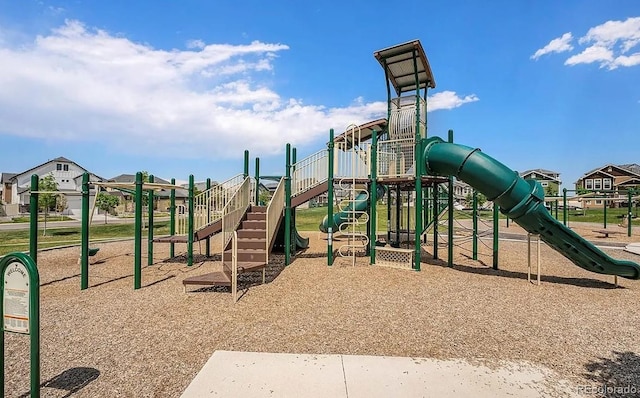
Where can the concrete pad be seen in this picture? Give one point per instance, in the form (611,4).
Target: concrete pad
(250,374)
(633,248)
(230,373)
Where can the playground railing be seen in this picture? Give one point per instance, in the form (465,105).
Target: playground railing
(309,172)
(396,158)
(208,205)
(274,212)
(402,120)
(233,212)
(352,162)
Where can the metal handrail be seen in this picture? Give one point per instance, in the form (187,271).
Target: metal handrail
(274,212)
(233,212)
(309,172)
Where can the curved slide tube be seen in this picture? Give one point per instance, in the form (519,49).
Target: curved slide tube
(360,203)
(522,201)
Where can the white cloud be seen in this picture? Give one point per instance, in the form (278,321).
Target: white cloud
(608,45)
(81,84)
(557,45)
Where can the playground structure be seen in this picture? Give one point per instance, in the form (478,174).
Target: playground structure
(392,157)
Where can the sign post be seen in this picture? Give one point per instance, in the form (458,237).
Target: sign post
(20,309)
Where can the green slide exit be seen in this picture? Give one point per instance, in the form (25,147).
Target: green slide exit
(522,201)
(360,203)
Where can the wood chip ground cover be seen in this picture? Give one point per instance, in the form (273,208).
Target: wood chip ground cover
(112,341)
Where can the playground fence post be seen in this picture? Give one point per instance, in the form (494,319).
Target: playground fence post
(190,222)
(84,234)
(475,224)
(450,221)
(33,220)
(137,266)
(564,206)
(172,218)
(287,208)
(207,242)
(150,231)
(330,149)
(496,232)
(374,197)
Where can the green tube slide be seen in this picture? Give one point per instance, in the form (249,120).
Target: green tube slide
(522,201)
(359,204)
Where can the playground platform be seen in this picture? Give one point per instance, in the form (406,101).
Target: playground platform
(250,374)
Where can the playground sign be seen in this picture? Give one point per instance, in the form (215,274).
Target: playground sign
(15,298)
(20,310)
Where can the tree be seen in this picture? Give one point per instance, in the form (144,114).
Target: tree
(106,203)
(47,201)
(481,199)
(61,203)
(550,191)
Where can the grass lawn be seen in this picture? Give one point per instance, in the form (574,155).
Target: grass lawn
(13,241)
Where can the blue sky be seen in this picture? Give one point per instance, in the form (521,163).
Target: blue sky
(179,88)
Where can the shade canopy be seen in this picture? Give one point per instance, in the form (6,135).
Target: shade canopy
(398,61)
(365,132)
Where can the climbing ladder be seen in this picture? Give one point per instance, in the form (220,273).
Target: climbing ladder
(353,165)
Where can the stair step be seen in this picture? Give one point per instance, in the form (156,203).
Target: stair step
(258,209)
(254,224)
(210,279)
(248,255)
(251,234)
(245,266)
(251,244)
(256,216)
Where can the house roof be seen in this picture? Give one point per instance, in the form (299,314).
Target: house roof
(131,178)
(542,172)
(5,177)
(58,159)
(629,168)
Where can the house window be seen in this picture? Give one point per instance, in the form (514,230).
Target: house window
(58,166)
(606,183)
(544,184)
(588,184)
(597,183)
(66,167)
(598,201)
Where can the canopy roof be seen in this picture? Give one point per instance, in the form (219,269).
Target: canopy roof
(398,62)
(366,130)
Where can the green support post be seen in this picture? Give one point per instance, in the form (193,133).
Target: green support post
(246,164)
(84,235)
(507,221)
(207,242)
(330,150)
(373,198)
(418,199)
(294,159)
(191,219)
(398,213)
(388,214)
(34,319)
(33,219)
(475,224)
(450,211)
(287,208)
(137,266)
(436,200)
(629,213)
(172,219)
(564,206)
(604,210)
(150,230)
(257,178)
(425,210)
(496,232)
(556,207)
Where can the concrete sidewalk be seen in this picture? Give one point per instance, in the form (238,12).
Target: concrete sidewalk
(247,374)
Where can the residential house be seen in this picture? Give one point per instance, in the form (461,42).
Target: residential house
(68,176)
(612,181)
(550,180)
(5,187)
(162,197)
